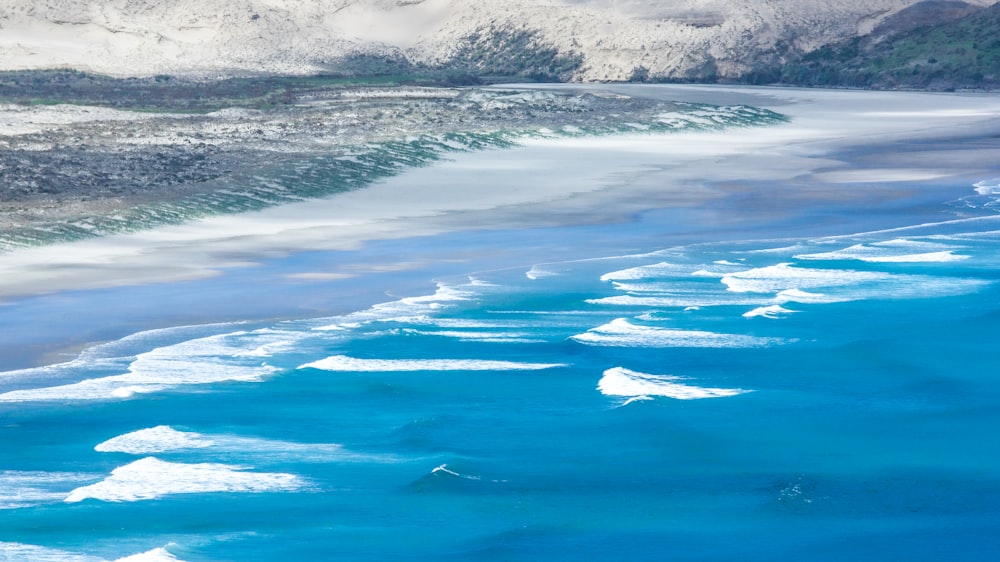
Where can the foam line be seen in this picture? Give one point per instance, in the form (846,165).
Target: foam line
(638,386)
(32,553)
(152,478)
(443,469)
(20,489)
(775,278)
(159,439)
(14,552)
(891,251)
(208,360)
(538,272)
(165,439)
(928,257)
(464,322)
(408,307)
(352,364)
(467,335)
(652,271)
(156,555)
(696,300)
(773,311)
(117,355)
(671,287)
(805,297)
(621,333)
(926,225)
(988,187)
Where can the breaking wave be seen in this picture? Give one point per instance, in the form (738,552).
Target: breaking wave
(151,478)
(635,385)
(622,333)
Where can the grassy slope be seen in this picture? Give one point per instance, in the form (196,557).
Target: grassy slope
(961,54)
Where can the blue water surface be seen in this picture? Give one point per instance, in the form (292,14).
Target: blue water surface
(767,396)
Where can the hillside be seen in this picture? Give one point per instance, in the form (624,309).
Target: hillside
(963,53)
(574,40)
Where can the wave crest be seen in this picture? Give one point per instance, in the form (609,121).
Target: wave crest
(635,385)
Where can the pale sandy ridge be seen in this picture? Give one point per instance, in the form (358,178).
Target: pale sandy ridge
(224,37)
(545,183)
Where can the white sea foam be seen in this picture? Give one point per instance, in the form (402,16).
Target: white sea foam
(165,439)
(60,371)
(988,187)
(707,273)
(408,307)
(18,552)
(269,342)
(157,439)
(19,489)
(980,236)
(621,333)
(805,297)
(780,250)
(694,300)
(775,278)
(923,228)
(207,360)
(678,287)
(662,269)
(928,257)
(152,478)
(477,282)
(773,311)
(469,335)
(652,316)
(891,251)
(156,555)
(642,398)
(352,364)
(444,293)
(136,343)
(635,385)
(443,469)
(539,272)
(462,323)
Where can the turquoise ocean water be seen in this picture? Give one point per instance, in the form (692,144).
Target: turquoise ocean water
(804,397)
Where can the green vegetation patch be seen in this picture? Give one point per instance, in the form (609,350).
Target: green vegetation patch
(500,53)
(955,55)
(176,95)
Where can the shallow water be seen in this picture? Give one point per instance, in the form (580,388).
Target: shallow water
(833,396)
(781,388)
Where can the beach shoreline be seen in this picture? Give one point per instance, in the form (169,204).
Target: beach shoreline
(890,155)
(784,332)
(836,141)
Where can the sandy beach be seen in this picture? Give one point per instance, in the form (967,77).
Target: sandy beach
(840,146)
